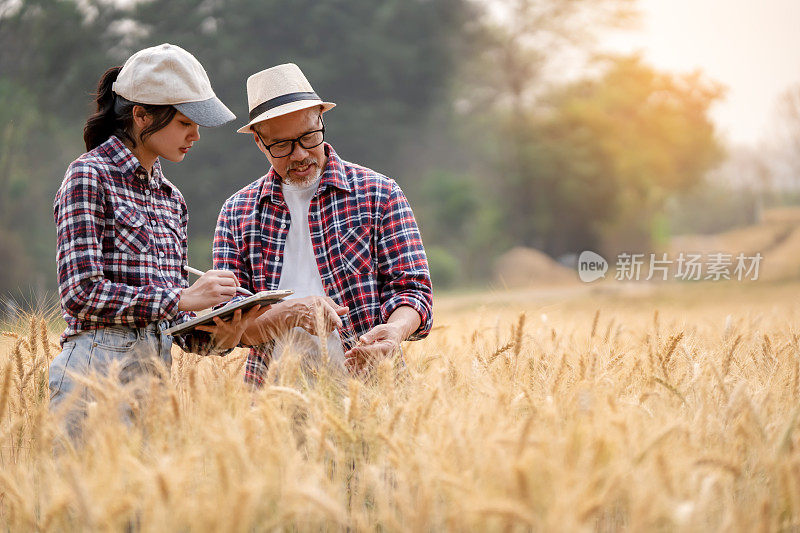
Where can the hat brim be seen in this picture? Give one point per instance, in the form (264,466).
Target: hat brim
(209,113)
(285,109)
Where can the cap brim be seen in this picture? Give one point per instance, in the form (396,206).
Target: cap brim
(285,110)
(209,113)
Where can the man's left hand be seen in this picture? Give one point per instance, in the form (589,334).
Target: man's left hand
(227,334)
(375,345)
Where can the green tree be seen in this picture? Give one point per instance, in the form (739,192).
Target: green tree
(51,55)
(33,145)
(517,51)
(386,64)
(57,50)
(523,45)
(461,229)
(604,155)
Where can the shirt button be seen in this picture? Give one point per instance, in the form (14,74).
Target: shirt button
(153,222)
(277,258)
(283,225)
(147,192)
(160,254)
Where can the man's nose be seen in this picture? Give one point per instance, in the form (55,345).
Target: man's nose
(299,153)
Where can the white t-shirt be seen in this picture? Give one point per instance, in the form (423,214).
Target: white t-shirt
(300,274)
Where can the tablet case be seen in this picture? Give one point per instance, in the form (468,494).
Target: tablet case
(259,298)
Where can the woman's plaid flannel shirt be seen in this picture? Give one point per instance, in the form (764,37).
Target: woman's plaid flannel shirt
(121,244)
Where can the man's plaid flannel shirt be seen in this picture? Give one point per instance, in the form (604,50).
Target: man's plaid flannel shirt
(121,243)
(367,245)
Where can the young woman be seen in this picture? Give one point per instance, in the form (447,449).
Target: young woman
(121,225)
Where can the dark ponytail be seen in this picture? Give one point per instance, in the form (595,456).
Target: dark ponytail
(101,125)
(114,115)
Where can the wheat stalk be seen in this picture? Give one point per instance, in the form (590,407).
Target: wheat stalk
(660,423)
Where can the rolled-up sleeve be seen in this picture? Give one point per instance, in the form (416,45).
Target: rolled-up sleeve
(196,341)
(403,271)
(227,253)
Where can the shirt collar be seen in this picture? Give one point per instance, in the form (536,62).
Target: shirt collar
(129,166)
(334,175)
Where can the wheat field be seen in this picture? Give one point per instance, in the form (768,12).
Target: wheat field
(672,408)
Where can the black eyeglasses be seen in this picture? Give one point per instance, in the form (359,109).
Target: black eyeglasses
(309,140)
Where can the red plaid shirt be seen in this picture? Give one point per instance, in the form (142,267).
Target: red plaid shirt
(368,248)
(121,242)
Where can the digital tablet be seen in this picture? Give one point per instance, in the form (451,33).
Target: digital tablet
(259,298)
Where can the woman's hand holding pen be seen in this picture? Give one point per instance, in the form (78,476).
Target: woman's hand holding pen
(214,287)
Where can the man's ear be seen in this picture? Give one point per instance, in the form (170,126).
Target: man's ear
(261,146)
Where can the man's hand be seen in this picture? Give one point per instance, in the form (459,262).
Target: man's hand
(214,287)
(383,340)
(380,342)
(319,315)
(227,335)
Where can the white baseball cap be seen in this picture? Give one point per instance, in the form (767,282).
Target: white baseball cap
(169,75)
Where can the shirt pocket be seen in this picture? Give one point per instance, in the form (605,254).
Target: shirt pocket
(132,236)
(176,234)
(355,254)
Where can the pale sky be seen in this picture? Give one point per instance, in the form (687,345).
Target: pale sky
(750,46)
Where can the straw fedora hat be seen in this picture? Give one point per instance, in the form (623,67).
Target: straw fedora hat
(277,91)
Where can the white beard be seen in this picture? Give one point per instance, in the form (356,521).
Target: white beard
(304,182)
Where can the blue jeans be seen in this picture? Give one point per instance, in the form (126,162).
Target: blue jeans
(132,352)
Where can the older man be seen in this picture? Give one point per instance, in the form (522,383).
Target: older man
(340,235)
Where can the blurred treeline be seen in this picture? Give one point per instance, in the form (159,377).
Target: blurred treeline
(499,119)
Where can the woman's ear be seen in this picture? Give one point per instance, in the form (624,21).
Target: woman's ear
(141,118)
